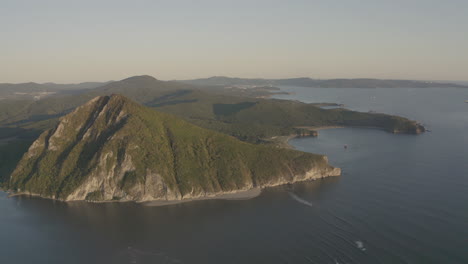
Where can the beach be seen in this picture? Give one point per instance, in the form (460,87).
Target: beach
(237,195)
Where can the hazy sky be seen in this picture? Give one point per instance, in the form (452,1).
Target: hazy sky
(84,40)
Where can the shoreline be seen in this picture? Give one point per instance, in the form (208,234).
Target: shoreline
(231,196)
(237,195)
(283,141)
(280,141)
(317,128)
(234,196)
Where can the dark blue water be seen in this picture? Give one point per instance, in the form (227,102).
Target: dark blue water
(401,199)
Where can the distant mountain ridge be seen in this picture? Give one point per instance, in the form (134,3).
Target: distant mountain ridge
(322,83)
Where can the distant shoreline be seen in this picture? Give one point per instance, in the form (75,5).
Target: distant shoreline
(283,141)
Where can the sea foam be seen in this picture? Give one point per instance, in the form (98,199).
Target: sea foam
(299,199)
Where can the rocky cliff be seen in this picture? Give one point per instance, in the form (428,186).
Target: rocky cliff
(112,148)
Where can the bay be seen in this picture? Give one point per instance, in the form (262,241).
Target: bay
(401,199)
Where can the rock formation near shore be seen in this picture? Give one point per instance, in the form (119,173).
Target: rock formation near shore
(112,148)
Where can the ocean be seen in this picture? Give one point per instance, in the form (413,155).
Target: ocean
(401,199)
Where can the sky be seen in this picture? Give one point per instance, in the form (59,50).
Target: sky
(75,41)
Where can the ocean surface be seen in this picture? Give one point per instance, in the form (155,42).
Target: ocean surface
(401,199)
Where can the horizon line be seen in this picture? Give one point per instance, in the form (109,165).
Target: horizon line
(250,78)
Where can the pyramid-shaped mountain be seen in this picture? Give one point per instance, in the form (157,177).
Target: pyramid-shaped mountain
(112,148)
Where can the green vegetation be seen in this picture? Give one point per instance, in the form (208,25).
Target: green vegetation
(129,180)
(94,196)
(249,119)
(259,119)
(117,138)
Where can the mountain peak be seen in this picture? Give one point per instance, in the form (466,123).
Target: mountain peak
(114,98)
(139,78)
(103,102)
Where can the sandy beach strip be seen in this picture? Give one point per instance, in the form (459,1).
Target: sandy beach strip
(238,195)
(317,128)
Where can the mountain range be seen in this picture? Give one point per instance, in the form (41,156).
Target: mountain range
(322,83)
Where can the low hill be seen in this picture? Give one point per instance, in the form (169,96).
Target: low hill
(249,119)
(112,148)
(38,91)
(226,81)
(244,117)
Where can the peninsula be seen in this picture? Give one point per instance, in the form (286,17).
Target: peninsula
(113,149)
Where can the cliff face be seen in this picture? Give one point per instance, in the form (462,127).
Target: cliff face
(114,149)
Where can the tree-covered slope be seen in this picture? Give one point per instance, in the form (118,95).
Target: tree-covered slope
(246,118)
(113,148)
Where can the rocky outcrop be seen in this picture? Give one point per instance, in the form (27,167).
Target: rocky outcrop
(305,132)
(411,128)
(155,189)
(315,173)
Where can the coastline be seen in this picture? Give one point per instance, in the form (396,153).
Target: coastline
(283,141)
(314,173)
(280,141)
(317,128)
(237,195)
(232,195)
